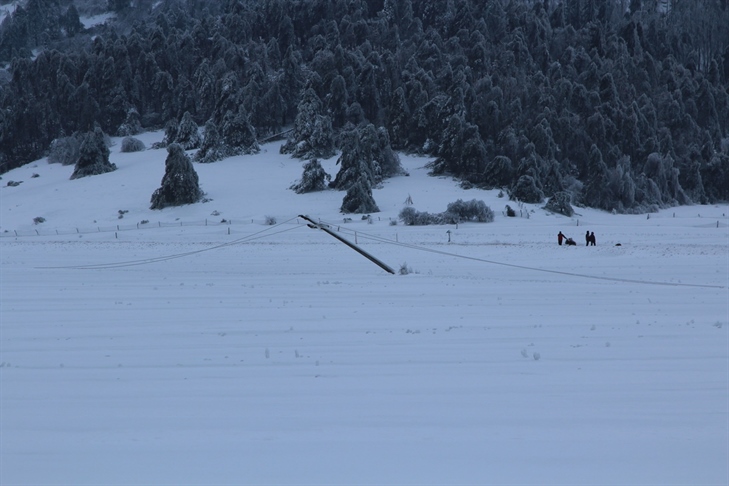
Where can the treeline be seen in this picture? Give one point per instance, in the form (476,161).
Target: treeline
(622,105)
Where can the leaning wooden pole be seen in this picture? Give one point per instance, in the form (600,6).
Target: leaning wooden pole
(315,225)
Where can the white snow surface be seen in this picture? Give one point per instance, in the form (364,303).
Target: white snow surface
(8,9)
(94,20)
(175,352)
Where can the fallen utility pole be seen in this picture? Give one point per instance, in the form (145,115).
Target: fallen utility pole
(315,225)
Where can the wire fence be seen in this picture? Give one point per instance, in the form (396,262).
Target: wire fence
(39,230)
(711,220)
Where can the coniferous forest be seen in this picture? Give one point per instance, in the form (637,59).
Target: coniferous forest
(621,105)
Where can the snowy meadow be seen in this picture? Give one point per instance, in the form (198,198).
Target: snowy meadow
(227,342)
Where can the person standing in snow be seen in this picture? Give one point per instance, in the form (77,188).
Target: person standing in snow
(587,239)
(560,237)
(592,239)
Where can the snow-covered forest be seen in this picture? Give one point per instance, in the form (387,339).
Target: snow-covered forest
(616,105)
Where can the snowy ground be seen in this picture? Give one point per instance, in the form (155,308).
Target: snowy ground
(242,353)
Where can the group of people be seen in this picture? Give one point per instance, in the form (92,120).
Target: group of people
(589,239)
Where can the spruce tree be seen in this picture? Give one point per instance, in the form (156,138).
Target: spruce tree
(313,179)
(93,156)
(211,148)
(188,135)
(359,198)
(180,183)
(313,135)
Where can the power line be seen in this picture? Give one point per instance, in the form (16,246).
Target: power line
(130,263)
(525,267)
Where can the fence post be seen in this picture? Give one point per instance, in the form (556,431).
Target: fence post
(116,235)
(228,229)
(36,232)
(16,232)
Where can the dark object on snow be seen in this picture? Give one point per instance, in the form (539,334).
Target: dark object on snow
(618,244)
(560,237)
(93,156)
(592,239)
(587,239)
(570,242)
(180,183)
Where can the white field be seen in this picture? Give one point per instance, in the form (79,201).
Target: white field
(244,353)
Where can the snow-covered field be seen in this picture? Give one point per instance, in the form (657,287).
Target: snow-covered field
(246,353)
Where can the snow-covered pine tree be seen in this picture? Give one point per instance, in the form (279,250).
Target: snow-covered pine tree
(560,203)
(313,179)
(211,149)
(188,135)
(526,190)
(171,129)
(389,161)
(131,125)
(351,161)
(366,151)
(359,198)
(238,134)
(93,156)
(313,134)
(180,184)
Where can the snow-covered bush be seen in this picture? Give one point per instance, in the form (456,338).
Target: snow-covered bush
(405,269)
(64,150)
(412,217)
(473,210)
(131,144)
(457,212)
